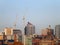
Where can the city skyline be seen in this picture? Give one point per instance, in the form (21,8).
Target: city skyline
(40,13)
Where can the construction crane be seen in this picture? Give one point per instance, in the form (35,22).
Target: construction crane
(23,32)
(15,21)
(24,21)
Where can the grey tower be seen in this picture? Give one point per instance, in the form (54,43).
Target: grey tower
(57,31)
(29,29)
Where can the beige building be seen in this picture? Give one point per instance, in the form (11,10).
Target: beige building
(1,36)
(44,31)
(8,31)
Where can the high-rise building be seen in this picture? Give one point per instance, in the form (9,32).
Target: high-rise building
(29,29)
(57,31)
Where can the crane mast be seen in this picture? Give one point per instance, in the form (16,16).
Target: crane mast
(15,22)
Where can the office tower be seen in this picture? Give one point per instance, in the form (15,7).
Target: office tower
(57,31)
(29,29)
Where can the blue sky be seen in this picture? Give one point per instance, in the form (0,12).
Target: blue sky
(41,13)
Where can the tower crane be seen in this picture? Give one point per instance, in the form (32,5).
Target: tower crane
(15,22)
(23,32)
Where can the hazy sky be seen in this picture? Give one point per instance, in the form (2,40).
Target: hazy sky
(41,13)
